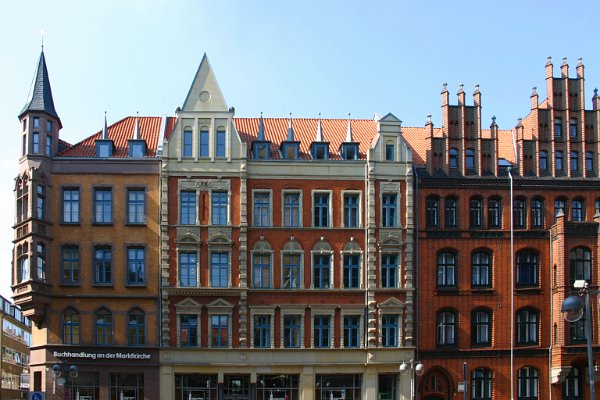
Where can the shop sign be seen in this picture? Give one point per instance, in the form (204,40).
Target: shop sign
(102,356)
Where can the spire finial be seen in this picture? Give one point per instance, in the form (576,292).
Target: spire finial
(319,137)
(460,87)
(105,128)
(349,131)
(595,92)
(548,60)
(428,119)
(534,91)
(137,135)
(564,61)
(290,136)
(42,35)
(477,88)
(261,128)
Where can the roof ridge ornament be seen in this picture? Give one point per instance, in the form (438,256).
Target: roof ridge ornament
(261,128)
(136,131)
(105,128)
(290,135)
(349,131)
(319,137)
(42,32)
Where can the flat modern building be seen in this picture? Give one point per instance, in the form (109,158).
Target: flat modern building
(85,266)
(14,342)
(287,255)
(507,221)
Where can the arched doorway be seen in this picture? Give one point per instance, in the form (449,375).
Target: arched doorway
(436,384)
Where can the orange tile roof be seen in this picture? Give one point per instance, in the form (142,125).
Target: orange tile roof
(305,129)
(121,132)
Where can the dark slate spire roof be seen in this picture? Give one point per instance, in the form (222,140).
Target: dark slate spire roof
(40,95)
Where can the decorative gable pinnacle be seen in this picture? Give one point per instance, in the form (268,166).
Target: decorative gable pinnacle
(136,130)
(319,136)
(290,134)
(261,128)
(105,128)
(349,131)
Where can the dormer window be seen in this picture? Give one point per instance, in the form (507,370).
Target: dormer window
(350,151)
(137,148)
(260,150)
(320,151)
(104,148)
(290,150)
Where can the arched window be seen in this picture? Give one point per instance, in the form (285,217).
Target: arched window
(432,211)
(470,159)
(573,128)
(481,269)
(71,326)
(558,159)
(453,159)
(519,213)
(481,327)
(136,327)
(481,384)
(528,383)
(494,213)
(475,212)
(451,211)
(390,151)
(581,264)
(527,326)
(574,157)
(446,328)
(557,127)
(560,205)
(527,268)
(543,161)
(104,327)
(537,213)
(571,387)
(577,210)
(446,269)
(187,142)
(23,272)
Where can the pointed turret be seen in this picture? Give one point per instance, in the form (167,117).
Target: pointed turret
(105,128)
(290,133)
(349,131)
(319,135)
(40,95)
(136,129)
(261,128)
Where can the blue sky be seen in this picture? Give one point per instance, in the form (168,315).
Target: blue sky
(304,57)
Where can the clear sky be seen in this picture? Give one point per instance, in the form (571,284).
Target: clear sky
(335,57)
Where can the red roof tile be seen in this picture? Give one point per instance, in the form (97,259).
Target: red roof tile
(305,129)
(120,133)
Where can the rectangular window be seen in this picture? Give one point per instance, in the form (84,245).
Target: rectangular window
(389,331)
(103,206)
(136,206)
(187,143)
(41,201)
(187,207)
(351,331)
(291,271)
(389,151)
(261,270)
(389,271)
(70,206)
(219,269)
(291,209)
(104,149)
(322,331)
(188,330)
(36,143)
(136,266)
(36,122)
(262,209)
(48,145)
(351,213)
(136,149)
(49,126)
(220,153)
(351,271)
(389,213)
(188,269)
(219,331)
(204,143)
(219,208)
(321,210)
(70,264)
(321,271)
(103,265)
(291,331)
(262,331)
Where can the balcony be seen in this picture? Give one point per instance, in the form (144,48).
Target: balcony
(32,297)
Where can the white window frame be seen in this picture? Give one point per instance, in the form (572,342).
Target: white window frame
(300,200)
(329,211)
(360,208)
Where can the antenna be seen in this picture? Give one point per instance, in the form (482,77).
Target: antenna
(42,32)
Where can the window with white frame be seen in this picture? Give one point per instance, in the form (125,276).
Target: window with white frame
(261,216)
(292,331)
(292,211)
(389,210)
(262,257)
(321,209)
(351,209)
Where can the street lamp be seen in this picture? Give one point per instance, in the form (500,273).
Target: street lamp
(416,368)
(573,308)
(57,370)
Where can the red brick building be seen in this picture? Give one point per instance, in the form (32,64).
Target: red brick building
(287,255)
(466,275)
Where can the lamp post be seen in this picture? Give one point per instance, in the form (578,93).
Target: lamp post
(415,369)
(72,372)
(573,308)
